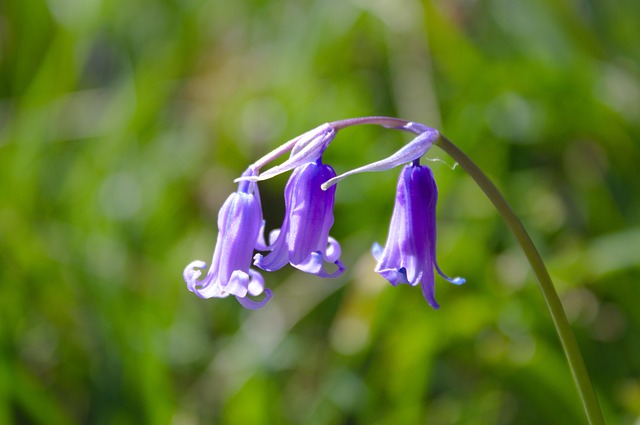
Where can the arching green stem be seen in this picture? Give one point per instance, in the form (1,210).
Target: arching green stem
(565,334)
(567,339)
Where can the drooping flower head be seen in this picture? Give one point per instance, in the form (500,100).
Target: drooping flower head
(303,240)
(240,230)
(409,255)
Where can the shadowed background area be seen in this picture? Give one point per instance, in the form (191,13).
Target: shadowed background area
(123,125)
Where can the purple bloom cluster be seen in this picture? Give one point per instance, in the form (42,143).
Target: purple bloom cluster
(303,239)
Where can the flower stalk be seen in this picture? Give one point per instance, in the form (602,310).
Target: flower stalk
(549,293)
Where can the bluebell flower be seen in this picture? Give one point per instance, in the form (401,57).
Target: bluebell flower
(240,230)
(409,255)
(303,240)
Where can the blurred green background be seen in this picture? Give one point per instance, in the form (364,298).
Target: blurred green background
(123,124)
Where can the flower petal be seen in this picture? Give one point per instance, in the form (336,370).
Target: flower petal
(454,280)
(395,276)
(314,264)
(428,293)
(256,284)
(254,305)
(376,251)
(191,275)
(333,250)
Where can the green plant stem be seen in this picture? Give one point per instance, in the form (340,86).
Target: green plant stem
(567,338)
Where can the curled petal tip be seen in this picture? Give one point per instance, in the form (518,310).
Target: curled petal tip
(255,305)
(458,280)
(314,264)
(332,254)
(191,274)
(256,284)
(454,280)
(376,250)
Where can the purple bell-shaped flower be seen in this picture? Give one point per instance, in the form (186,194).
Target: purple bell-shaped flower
(409,255)
(240,230)
(303,240)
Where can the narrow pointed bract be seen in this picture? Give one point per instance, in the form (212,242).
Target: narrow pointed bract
(307,148)
(409,255)
(303,240)
(240,230)
(410,152)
